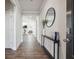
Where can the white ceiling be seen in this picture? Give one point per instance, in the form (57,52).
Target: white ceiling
(31,5)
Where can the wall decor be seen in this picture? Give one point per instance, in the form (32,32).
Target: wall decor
(50,17)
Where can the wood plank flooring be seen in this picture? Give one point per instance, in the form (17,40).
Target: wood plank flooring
(29,49)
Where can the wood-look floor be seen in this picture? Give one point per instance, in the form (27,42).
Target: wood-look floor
(29,49)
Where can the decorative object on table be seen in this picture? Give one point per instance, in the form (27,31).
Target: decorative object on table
(30,32)
(24,27)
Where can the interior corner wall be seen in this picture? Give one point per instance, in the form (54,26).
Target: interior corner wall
(39,29)
(59,25)
(18,27)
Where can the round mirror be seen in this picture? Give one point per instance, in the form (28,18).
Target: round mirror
(50,17)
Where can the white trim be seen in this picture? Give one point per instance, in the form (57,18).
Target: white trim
(15,27)
(30,12)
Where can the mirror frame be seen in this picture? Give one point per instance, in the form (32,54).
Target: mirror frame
(52,19)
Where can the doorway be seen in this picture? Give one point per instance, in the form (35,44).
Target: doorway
(30,21)
(70,30)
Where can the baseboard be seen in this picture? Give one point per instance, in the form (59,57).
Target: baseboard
(9,51)
(47,52)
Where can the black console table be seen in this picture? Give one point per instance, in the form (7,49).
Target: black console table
(55,42)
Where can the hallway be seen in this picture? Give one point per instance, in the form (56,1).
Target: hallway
(29,49)
(46,27)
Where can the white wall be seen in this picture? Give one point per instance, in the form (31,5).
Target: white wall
(18,28)
(13,25)
(9,25)
(39,29)
(18,24)
(9,29)
(59,25)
